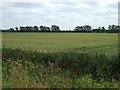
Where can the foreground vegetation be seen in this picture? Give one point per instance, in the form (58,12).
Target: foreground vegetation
(28,69)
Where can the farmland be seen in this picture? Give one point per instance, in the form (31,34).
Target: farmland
(60,60)
(86,42)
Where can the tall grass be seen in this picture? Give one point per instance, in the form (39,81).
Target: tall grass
(98,65)
(25,74)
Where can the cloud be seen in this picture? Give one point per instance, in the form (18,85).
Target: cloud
(63,13)
(106,1)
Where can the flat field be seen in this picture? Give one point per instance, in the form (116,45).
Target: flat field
(74,64)
(81,42)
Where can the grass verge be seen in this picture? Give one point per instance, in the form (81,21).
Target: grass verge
(34,69)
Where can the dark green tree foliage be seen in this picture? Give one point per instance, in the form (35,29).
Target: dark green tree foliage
(12,29)
(22,29)
(94,30)
(29,28)
(36,29)
(86,28)
(16,28)
(55,28)
(99,29)
(41,28)
(103,29)
(26,29)
(110,27)
(44,29)
(83,28)
(114,28)
(78,28)
(47,28)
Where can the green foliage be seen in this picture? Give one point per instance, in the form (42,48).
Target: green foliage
(25,74)
(88,82)
(99,65)
(83,28)
(89,61)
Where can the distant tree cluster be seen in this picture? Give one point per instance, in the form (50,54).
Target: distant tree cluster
(114,28)
(86,28)
(111,29)
(55,28)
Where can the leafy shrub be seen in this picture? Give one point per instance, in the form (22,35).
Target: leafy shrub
(25,74)
(99,65)
(87,82)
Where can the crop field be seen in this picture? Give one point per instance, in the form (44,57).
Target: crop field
(60,60)
(81,42)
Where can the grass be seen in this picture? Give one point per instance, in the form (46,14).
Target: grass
(26,69)
(60,60)
(100,65)
(83,42)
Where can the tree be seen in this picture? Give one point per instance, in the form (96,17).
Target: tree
(22,29)
(55,28)
(83,28)
(36,29)
(94,30)
(42,28)
(110,27)
(47,29)
(78,28)
(114,28)
(16,28)
(118,28)
(87,28)
(103,29)
(11,29)
(99,29)
(29,29)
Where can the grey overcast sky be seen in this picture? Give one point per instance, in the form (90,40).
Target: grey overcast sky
(66,14)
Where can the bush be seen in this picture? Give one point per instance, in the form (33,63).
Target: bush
(98,65)
(25,74)
(87,82)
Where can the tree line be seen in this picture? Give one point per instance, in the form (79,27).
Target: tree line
(54,28)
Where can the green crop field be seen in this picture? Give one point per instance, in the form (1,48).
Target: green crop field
(81,42)
(60,60)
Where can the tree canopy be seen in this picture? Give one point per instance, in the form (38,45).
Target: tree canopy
(54,28)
